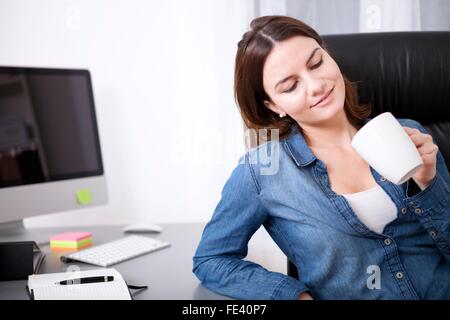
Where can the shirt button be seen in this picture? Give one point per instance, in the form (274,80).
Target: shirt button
(399,275)
(383,179)
(433,234)
(387,242)
(418,211)
(404,210)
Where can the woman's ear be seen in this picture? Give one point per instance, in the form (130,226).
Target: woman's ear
(272,106)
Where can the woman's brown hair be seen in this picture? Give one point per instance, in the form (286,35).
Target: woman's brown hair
(251,55)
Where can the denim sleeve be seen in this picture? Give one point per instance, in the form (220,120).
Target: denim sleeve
(432,205)
(218,261)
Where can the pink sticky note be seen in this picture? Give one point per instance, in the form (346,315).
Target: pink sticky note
(71,236)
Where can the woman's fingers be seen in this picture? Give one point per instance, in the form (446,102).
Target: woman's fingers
(428,153)
(428,159)
(410,130)
(428,148)
(418,137)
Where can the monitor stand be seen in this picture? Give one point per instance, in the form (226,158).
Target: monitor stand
(16,231)
(12,228)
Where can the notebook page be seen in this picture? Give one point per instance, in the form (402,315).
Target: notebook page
(44,287)
(114,290)
(49,279)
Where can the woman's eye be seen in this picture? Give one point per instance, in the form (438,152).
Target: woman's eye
(317,65)
(291,88)
(296,82)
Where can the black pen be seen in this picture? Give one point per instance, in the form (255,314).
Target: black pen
(86,280)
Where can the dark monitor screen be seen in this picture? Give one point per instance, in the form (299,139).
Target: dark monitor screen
(48,128)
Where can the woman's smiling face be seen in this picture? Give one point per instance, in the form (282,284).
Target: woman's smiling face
(297,74)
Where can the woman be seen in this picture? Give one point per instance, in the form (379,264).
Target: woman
(285,79)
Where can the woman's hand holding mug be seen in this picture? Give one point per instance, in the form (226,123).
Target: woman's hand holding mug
(428,152)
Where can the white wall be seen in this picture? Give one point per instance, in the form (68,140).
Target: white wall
(162,74)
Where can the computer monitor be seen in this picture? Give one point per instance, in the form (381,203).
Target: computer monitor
(50,157)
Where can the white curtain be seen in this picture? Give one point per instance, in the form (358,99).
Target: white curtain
(385,15)
(350,16)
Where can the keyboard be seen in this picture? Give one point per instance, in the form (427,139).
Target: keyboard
(113,252)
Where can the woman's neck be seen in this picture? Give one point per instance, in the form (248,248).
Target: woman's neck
(337,134)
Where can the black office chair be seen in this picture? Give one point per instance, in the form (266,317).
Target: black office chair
(405,73)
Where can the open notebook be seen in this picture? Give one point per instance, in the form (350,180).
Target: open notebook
(43,287)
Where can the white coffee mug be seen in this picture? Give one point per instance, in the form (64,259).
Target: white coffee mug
(387,148)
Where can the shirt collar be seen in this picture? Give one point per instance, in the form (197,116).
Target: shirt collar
(298,149)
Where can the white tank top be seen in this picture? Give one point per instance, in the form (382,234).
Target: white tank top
(373,207)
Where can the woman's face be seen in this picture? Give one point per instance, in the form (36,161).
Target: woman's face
(297,74)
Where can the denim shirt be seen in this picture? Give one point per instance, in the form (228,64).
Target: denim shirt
(336,255)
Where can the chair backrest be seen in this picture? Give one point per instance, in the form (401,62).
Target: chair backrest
(405,73)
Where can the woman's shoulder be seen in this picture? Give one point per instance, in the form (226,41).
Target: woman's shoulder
(405,122)
(262,154)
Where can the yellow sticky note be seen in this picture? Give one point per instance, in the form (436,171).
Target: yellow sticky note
(84,196)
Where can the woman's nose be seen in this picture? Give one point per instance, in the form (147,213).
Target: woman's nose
(316,87)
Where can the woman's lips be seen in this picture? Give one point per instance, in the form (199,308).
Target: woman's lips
(325,99)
